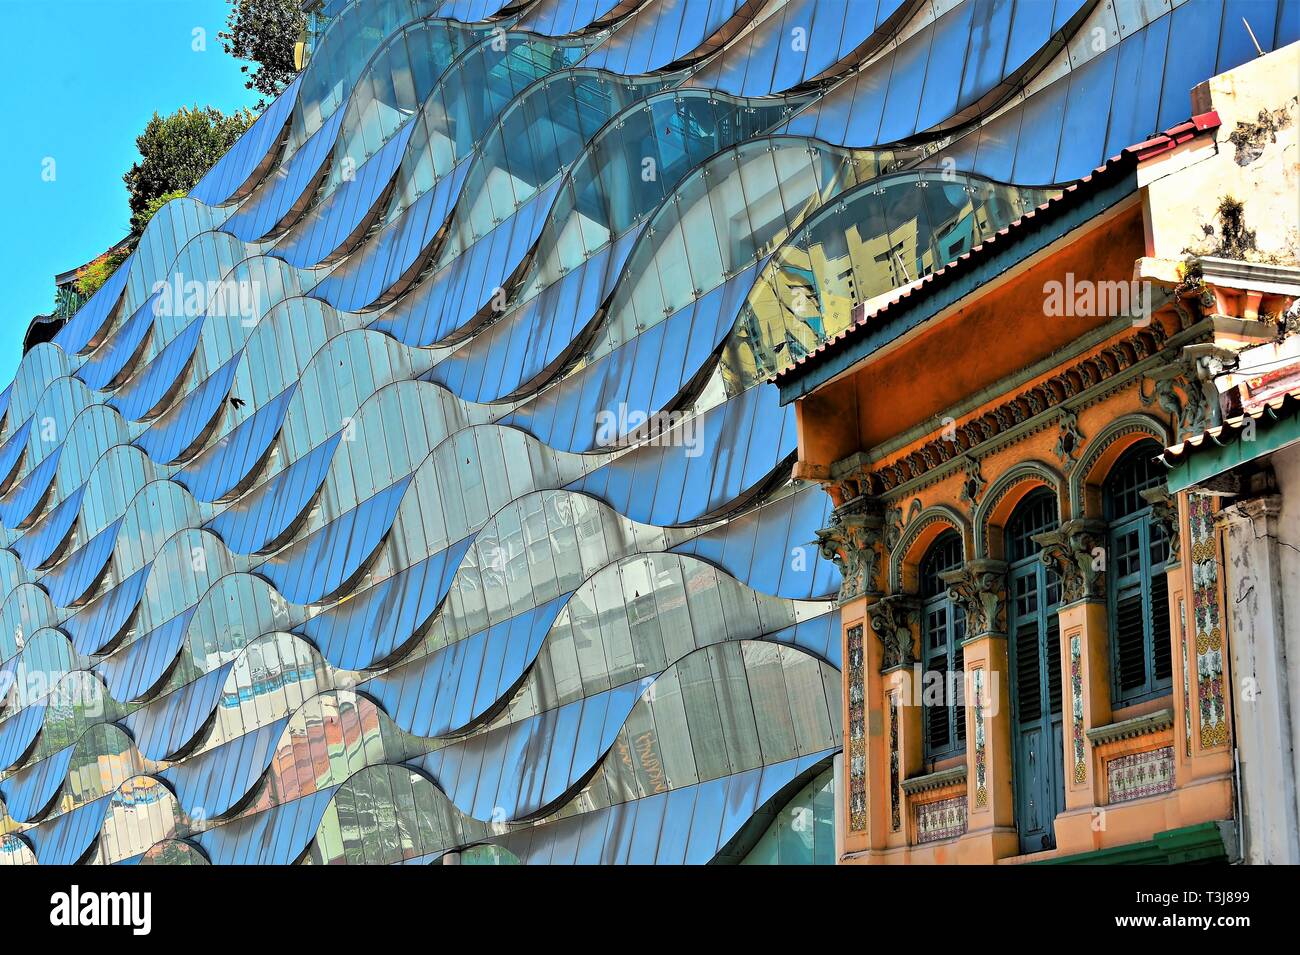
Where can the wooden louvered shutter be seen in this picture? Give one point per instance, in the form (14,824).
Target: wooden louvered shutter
(936,728)
(1161,651)
(1029,694)
(959,714)
(1054,662)
(1130,641)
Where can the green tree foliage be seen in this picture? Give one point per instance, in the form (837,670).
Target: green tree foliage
(264,32)
(153,205)
(92,275)
(176,151)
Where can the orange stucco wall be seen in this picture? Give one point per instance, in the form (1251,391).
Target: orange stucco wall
(970,356)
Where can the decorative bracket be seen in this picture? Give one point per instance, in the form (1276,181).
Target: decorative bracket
(1068,441)
(1199,409)
(972,483)
(1164,512)
(980,587)
(853,542)
(1076,552)
(892,620)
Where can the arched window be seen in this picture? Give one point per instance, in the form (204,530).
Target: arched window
(1034,656)
(1141,665)
(943,627)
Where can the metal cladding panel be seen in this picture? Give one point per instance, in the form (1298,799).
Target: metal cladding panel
(275,199)
(234,170)
(489,517)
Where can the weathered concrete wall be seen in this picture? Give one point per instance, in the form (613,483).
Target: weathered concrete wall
(1256,160)
(1263,600)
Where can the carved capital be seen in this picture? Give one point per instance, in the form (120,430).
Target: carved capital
(853,541)
(980,587)
(1261,508)
(1260,512)
(1164,512)
(892,620)
(1076,553)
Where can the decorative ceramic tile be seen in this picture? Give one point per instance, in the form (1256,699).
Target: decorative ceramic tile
(942,819)
(1212,728)
(1079,747)
(857,732)
(895,813)
(1187,680)
(981,769)
(1140,774)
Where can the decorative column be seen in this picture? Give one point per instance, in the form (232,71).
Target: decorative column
(1076,553)
(854,542)
(980,588)
(894,622)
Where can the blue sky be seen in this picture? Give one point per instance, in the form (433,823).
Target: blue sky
(81,79)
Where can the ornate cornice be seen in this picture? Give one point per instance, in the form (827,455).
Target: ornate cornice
(1076,553)
(1263,508)
(1128,729)
(931,781)
(1053,393)
(980,586)
(853,542)
(892,620)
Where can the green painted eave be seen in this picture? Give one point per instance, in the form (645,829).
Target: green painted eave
(1218,454)
(1202,843)
(965,277)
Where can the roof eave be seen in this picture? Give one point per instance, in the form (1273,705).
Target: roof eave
(966,277)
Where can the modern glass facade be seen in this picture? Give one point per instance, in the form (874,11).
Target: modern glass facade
(417,487)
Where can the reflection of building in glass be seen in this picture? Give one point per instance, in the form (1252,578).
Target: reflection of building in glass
(357,574)
(1043,601)
(318,14)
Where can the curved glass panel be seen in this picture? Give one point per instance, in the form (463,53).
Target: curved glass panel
(794,42)
(955,68)
(882,236)
(536,137)
(731,213)
(390,92)
(561,17)
(476,505)
(665,32)
(469,96)
(631,167)
(342,54)
(803,832)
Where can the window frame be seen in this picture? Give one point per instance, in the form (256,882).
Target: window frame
(1141,522)
(946,657)
(1046,590)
